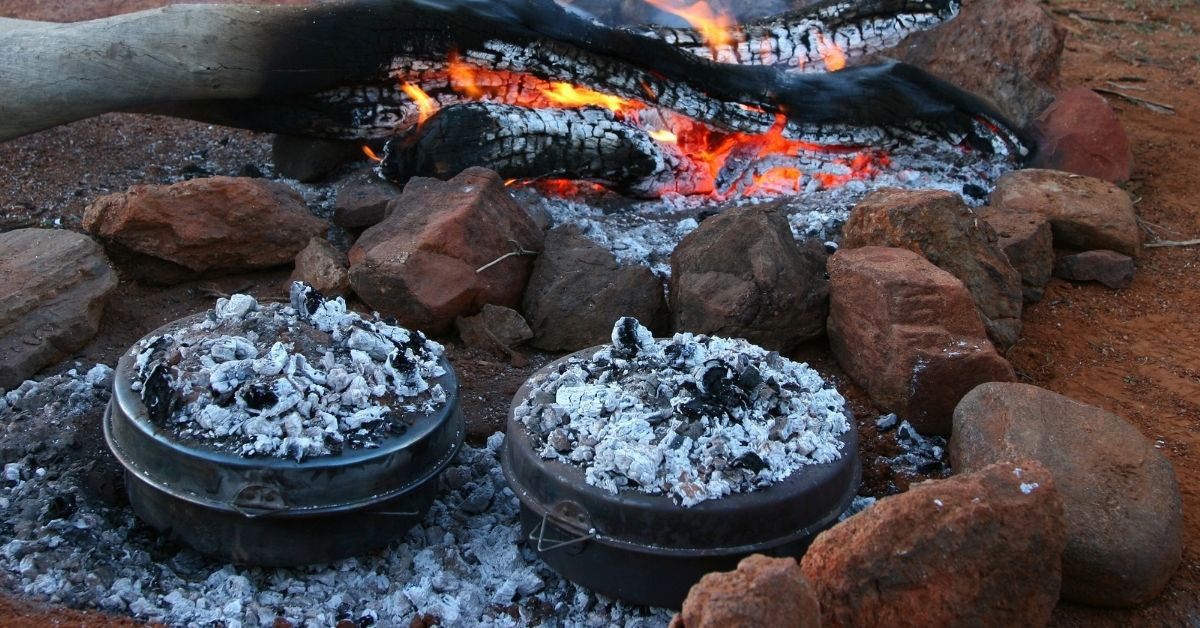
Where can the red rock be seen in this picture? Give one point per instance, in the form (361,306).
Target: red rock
(908,333)
(741,274)
(53,288)
(362,201)
(422,263)
(973,550)
(940,227)
(578,290)
(1026,240)
(219,224)
(494,328)
(1080,133)
(762,592)
(1009,51)
(1084,213)
(323,267)
(1120,497)
(1107,267)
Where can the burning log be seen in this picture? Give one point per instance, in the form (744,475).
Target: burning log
(525,75)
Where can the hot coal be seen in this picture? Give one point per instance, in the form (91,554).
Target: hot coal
(693,418)
(298,381)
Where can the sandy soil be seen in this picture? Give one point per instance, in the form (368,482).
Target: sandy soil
(1135,352)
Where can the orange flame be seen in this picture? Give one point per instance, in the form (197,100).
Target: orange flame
(568,96)
(371,154)
(831,53)
(715,27)
(665,136)
(462,77)
(426,106)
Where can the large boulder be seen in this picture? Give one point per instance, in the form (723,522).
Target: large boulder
(1084,213)
(909,334)
(434,258)
(763,591)
(1009,51)
(206,226)
(53,288)
(980,549)
(578,290)
(1028,244)
(1120,496)
(939,226)
(741,274)
(1080,133)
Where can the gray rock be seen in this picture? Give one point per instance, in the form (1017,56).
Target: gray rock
(741,274)
(1107,267)
(53,289)
(578,290)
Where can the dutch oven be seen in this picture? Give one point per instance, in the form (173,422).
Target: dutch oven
(270,511)
(647,550)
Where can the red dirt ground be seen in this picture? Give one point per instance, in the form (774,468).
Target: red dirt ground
(1135,352)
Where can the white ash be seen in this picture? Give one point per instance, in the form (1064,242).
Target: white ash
(693,418)
(301,380)
(646,231)
(65,544)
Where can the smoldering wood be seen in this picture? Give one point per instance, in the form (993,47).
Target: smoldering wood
(278,69)
(523,143)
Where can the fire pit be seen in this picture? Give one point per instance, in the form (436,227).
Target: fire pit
(647,539)
(320,480)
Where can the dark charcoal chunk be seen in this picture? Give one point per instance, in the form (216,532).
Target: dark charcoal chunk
(162,402)
(259,396)
(305,299)
(750,461)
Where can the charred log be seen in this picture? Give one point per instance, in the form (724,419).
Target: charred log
(522,143)
(805,38)
(246,65)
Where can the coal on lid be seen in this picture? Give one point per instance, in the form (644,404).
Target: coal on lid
(301,380)
(693,417)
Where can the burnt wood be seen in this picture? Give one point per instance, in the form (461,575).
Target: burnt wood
(331,70)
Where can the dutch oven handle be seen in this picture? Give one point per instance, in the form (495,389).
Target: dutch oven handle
(568,517)
(257,500)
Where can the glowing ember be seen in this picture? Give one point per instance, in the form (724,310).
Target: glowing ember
(426,106)
(715,27)
(462,77)
(831,53)
(371,154)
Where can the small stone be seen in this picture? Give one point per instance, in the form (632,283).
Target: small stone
(362,201)
(431,260)
(1080,133)
(1084,213)
(941,228)
(578,290)
(309,160)
(54,286)
(323,267)
(971,550)
(909,333)
(1122,504)
(1028,244)
(205,226)
(495,328)
(741,274)
(1107,267)
(763,591)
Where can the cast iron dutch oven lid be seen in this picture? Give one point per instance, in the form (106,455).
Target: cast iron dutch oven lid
(806,502)
(269,486)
